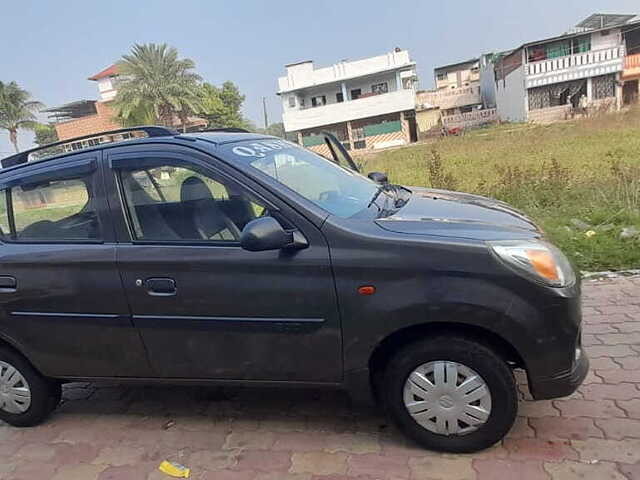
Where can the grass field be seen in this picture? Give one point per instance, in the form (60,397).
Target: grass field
(564,176)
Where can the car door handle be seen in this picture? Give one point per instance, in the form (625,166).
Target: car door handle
(160,286)
(8,284)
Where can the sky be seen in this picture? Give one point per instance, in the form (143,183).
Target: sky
(50,48)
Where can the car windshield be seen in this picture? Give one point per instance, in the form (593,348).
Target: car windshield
(338,190)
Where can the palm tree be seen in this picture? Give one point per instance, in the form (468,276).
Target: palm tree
(17,110)
(156,83)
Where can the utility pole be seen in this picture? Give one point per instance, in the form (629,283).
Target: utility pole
(264,109)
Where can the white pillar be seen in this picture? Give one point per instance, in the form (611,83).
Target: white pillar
(618,91)
(343,86)
(350,135)
(590,89)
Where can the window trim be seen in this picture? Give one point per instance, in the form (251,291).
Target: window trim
(75,169)
(150,159)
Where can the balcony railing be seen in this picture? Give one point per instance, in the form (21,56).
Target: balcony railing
(362,107)
(576,60)
(632,61)
(471,119)
(450,97)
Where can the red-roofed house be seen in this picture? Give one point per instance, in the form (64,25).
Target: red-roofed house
(86,117)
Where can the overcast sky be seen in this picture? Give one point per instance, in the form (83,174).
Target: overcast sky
(50,48)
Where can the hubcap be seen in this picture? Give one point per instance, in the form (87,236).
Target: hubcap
(15,394)
(447,398)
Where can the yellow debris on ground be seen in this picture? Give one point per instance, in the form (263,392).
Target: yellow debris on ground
(174,469)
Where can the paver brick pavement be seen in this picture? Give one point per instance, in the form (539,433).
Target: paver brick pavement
(111,432)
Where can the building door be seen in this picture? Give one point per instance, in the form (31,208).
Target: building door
(630,92)
(410,117)
(205,307)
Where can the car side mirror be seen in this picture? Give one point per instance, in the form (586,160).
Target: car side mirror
(265,233)
(379,177)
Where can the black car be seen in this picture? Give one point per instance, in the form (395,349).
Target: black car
(225,257)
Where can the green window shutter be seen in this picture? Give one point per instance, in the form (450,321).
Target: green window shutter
(382,128)
(312,140)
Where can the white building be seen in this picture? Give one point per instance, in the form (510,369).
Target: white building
(553,79)
(368,103)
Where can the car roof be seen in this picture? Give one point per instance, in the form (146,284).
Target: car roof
(210,137)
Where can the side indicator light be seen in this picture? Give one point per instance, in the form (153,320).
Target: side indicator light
(367,290)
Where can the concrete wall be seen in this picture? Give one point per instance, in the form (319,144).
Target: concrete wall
(427,119)
(511,97)
(487,82)
(600,41)
(550,115)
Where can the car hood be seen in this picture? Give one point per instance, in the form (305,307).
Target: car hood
(462,215)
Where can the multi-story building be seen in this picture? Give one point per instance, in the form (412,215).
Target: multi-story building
(456,101)
(86,117)
(367,104)
(555,78)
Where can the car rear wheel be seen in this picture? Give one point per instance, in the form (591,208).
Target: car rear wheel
(451,393)
(26,397)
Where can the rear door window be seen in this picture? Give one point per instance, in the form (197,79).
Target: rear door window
(50,210)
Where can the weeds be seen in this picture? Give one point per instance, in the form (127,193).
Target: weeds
(437,176)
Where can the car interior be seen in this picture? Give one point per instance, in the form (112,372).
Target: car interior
(197,215)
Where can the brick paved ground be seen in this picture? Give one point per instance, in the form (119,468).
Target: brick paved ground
(112,432)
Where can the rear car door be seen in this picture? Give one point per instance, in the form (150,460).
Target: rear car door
(61,299)
(205,307)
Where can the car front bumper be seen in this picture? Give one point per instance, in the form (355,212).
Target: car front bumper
(563,384)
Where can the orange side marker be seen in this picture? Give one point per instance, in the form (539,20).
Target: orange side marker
(367,290)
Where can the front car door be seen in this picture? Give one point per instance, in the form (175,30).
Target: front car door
(205,307)
(61,298)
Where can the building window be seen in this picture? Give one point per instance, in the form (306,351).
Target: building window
(379,88)
(339,97)
(557,94)
(318,101)
(292,101)
(355,93)
(441,76)
(560,48)
(604,87)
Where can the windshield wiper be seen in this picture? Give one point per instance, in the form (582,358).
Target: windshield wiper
(380,189)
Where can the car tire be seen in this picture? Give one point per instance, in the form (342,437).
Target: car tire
(438,411)
(44,393)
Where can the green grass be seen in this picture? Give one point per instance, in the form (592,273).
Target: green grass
(587,170)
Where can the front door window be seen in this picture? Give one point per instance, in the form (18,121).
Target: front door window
(169,203)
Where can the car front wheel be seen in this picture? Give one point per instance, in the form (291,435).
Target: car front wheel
(451,393)
(26,397)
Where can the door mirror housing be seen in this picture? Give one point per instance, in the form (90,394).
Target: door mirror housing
(379,177)
(265,233)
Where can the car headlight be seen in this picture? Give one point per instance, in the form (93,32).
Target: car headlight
(537,260)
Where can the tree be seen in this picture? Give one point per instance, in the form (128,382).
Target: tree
(17,110)
(45,134)
(155,84)
(221,107)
